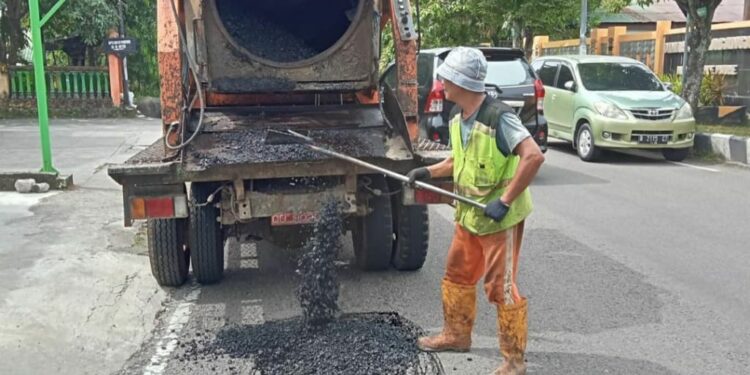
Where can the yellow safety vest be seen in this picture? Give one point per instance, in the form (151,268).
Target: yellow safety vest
(482,172)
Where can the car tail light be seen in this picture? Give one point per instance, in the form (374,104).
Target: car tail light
(539,94)
(435,100)
(158,207)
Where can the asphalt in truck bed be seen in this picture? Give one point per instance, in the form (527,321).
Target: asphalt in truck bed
(247,146)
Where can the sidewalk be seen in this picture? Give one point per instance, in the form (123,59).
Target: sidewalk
(76,292)
(732,148)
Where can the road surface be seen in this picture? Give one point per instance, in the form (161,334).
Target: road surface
(632,266)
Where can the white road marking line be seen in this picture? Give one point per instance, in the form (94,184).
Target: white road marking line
(695,167)
(168,342)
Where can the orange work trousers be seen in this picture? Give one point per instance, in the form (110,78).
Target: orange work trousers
(493,256)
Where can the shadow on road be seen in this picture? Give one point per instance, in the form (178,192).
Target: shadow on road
(551,175)
(555,363)
(575,363)
(565,299)
(625,157)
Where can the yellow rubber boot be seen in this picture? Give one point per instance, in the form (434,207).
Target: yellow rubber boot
(512,326)
(459,311)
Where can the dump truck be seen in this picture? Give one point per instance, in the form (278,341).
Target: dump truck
(231,70)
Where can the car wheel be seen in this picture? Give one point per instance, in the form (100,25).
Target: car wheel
(675,154)
(585,147)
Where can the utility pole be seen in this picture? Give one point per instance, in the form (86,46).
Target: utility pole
(582,47)
(39,78)
(125,84)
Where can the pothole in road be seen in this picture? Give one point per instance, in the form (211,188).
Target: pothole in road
(368,343)
(321,341)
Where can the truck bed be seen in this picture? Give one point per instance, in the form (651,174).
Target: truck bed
(232,146)
(227,148)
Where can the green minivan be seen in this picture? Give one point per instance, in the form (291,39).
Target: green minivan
(612,102)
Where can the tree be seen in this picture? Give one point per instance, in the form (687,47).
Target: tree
(12,39)
(81,21)
(552,17)
(81,26)
(471,22)
(143,66)
(700,16)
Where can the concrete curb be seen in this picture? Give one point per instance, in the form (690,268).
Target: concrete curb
(55,181)
(732,148)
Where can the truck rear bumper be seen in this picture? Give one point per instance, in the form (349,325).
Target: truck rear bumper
(285,207)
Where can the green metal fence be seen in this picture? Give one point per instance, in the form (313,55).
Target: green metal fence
(75,82)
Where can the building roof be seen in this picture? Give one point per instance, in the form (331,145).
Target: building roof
(728,11)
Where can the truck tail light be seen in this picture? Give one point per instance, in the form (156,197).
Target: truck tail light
(539,94)
(428,197)
(436,98)
(158,207)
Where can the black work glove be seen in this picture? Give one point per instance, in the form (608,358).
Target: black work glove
(496,210)
(420,174)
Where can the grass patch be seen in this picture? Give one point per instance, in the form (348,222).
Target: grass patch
(706,157)
(739,130)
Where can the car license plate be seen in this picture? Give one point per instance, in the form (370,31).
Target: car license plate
(293,218)
(653,139)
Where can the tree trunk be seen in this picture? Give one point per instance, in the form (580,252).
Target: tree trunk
(516,31)
(698,43)
(528,42)
(3,36)
(16,42)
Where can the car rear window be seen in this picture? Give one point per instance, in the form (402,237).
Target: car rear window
(618,77)
(509,73)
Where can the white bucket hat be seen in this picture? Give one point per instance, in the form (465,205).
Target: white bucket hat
(466,68)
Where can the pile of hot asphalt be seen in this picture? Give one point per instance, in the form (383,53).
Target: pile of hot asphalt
(322,340)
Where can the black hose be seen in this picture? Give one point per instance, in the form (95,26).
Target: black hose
(199,94)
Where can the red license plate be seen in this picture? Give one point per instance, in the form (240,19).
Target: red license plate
(293,218)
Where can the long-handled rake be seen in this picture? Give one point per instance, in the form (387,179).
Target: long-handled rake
(276,137)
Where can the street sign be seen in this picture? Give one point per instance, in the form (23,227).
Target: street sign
(121,46)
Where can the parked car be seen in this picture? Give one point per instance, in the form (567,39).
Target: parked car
(509,78)
(610,102)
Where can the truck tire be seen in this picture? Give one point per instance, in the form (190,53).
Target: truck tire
(167,252)
(411,226)
(206,236)
(372,235)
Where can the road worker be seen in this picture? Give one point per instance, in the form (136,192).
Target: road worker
(494,159)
